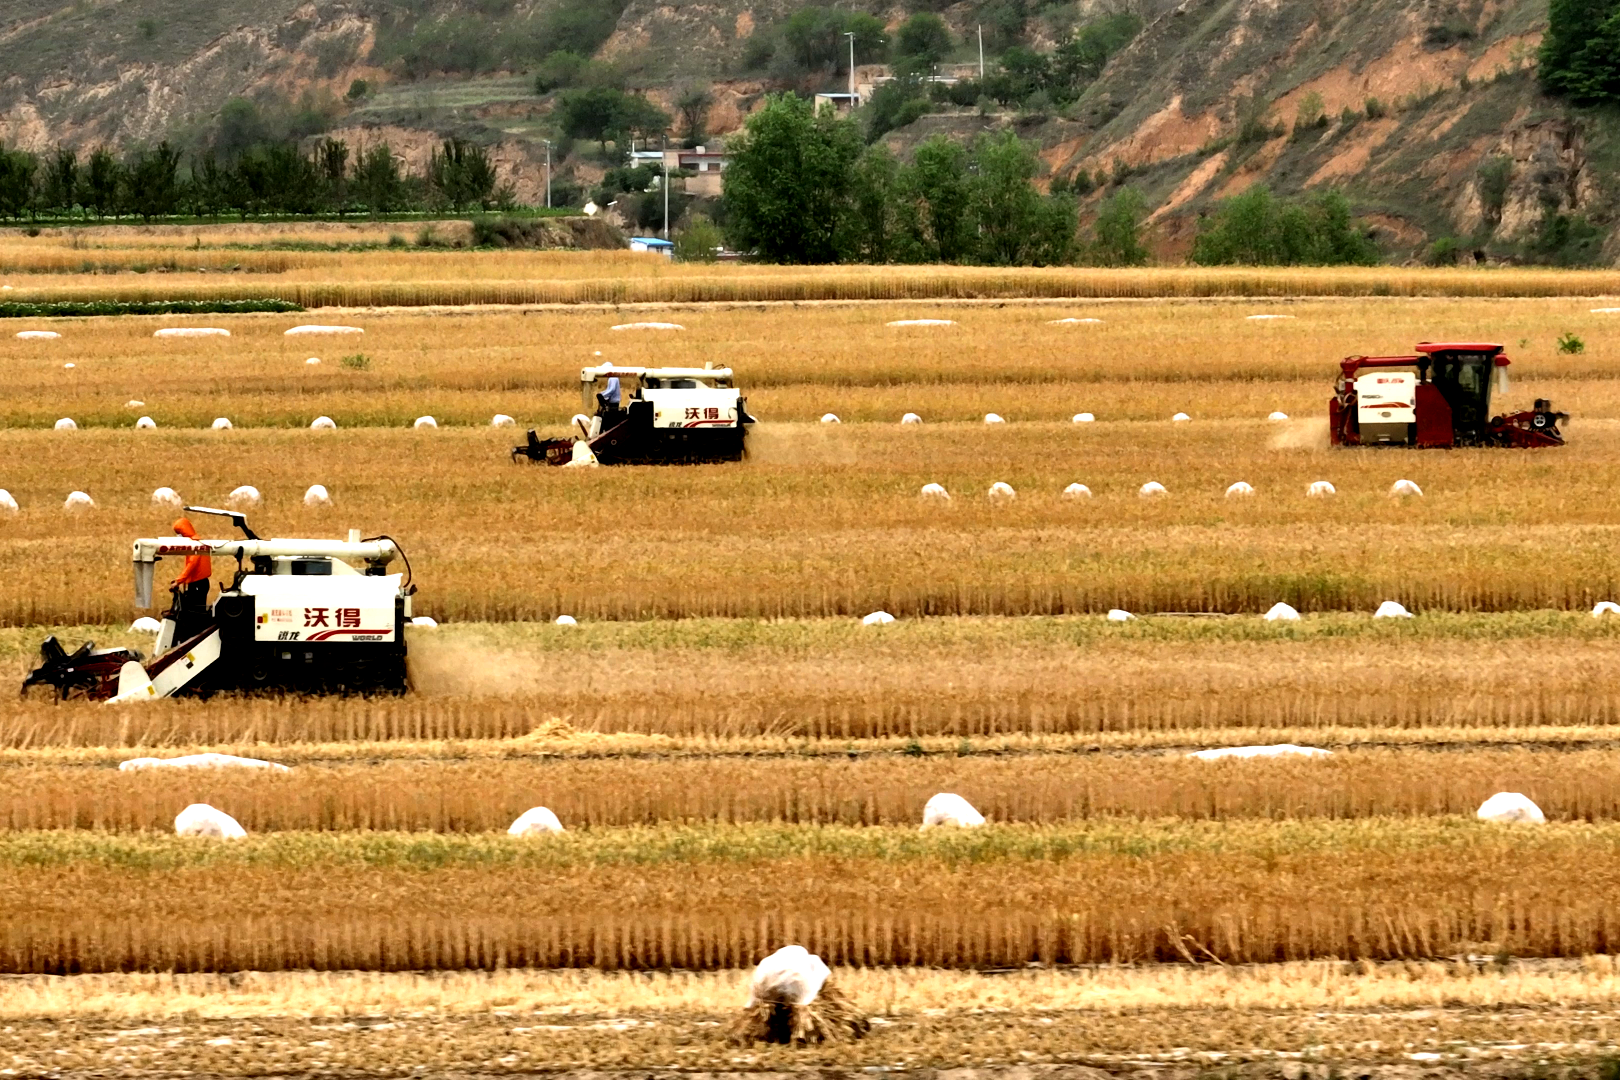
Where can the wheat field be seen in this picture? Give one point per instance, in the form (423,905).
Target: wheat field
(739,762)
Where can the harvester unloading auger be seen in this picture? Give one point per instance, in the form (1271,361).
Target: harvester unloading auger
(665,416)
(1439,398)
(297,616)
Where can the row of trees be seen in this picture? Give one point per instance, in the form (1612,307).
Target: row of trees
(803,187)
(278,179)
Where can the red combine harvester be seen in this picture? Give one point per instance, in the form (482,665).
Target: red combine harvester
(1440,397)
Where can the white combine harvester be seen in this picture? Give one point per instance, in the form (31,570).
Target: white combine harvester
(310,616)
(664,416)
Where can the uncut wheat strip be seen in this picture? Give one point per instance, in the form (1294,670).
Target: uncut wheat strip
(1386,890)
(480,797)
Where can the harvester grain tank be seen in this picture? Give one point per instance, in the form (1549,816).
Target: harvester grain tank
(300,615)
(664,416)
(1440,397)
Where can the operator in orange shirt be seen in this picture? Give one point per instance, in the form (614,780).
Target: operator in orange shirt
(190,587)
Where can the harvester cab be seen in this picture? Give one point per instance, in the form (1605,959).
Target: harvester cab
(1440,397)
(311,616)
(649,416)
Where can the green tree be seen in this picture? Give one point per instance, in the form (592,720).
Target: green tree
(1256,228)
(699,241)
(872,228)
(1580,52)
(1116,235)
(693,102)
(461,174)
(788,183)
(1017,226)
(1080,60)
(61,187)
(922,41)
(377,180)
(894,104)
(154,182)
(603,113)
(332,162)
(938,181)
(17,170)
(102,181)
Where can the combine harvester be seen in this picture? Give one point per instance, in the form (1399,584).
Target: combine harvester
(1440,397)
(297,617)
(666,416)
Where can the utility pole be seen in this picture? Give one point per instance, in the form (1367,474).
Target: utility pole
(548,173)
(666,193)
(981,53)
(851,35)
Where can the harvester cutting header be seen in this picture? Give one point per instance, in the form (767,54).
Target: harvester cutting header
(671,415)
(296,616)
(1439,398)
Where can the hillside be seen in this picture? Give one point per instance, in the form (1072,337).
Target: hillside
(1425,112)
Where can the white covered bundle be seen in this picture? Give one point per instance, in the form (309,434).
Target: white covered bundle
(69,367)
(1510,806)
(200,819)
(1263,318)
(922,322)
(946,810)
(877,618)
(647,326)
(1151,490)
(934,491)
(167,496)
(1273,751)
(565,620)
(323,423)
(536,821)
(425,422)
(245,497)
(146,423)
(993,418)
(1077,491)
(146,625)
(500,419)
(305,331)
(8,504)
(1281,612)
(313,360)
(66,424)
(78,500)
(1240,490)
(1392,609)
(1083,418)
(1401,488)
(37,335)
(1119,615)
(789,976)
(830,418)
(1181,417)
(317,495)
(1001,491)
(1603,607)
(911,418)
(1278,416)
(1320,489)
(133,404)
(200,761)
(1071,322)
(221,423)
(427,622)
(581,457)
(191,331)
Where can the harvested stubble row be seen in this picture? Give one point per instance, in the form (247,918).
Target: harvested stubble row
(935,678)
(485,796)
(723,896)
